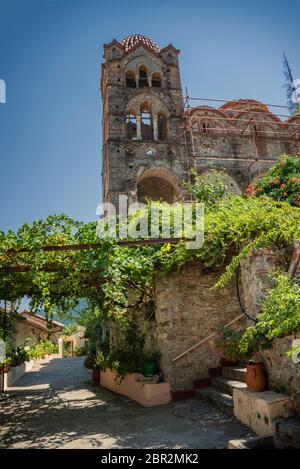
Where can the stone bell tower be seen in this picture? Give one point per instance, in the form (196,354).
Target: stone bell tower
(143,154)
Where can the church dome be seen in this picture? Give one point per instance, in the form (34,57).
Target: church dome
(134,39)
(238,105)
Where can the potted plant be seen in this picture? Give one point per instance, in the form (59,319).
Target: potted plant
(7,364)
(150,363)
(250,345)
(91,364)
(227,343)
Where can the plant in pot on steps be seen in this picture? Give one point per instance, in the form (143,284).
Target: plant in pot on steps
(227,344)
(250,345)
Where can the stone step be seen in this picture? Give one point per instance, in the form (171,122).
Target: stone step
(218,399)
(237,373)
(227,385)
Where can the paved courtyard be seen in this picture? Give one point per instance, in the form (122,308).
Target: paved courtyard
(55,406)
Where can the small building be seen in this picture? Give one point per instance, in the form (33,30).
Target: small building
(33,326)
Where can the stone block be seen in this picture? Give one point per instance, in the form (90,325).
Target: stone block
(259,410)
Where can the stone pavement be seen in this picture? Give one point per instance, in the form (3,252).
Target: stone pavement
(55,406)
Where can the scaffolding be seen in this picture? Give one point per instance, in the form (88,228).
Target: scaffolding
(251,123)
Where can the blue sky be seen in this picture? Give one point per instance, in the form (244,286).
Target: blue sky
(50,59)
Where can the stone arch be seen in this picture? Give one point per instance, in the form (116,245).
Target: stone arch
(130,78)
(158,184)
(208,120)
(149,109)
(232,185)
(157,104)
(264,123)
(143,76)
(156,79)
(151,64)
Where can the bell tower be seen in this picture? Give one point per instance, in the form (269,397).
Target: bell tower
(143,155)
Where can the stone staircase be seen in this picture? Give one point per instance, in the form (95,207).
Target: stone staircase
(219,394)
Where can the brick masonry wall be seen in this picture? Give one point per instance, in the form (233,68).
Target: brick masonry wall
(187,310)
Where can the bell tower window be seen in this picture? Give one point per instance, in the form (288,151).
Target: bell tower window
(131,128)
(146,122)
(130,79)
(143,77)
(156,80)
(162,126)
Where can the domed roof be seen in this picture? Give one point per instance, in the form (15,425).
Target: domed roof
(238,105)
(131,41)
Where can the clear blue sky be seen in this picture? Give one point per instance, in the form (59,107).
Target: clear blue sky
(50,58)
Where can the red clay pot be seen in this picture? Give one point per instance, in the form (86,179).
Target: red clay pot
(6,368)
(96,375)
(256,378)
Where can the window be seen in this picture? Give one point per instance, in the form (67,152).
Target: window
(162,127)
(131,125)
(156,80)
(257,130)
(205,127)
(146,122)
(130,79)
(143,76)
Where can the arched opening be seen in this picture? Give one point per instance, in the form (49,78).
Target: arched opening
(131,129)
(155,188)
(257,130)
(205,127)
(156,80)
(146,122)
(143,76)
(162,126)
(158,184)
(130,79)
(213,175)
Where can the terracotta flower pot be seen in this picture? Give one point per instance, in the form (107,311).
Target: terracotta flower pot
(256,378)
(95,375)
(6,368)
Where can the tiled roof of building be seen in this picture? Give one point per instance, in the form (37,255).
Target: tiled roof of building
(39,321)
(242,104)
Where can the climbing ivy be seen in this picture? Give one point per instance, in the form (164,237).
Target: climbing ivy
(57,281)
(280,313)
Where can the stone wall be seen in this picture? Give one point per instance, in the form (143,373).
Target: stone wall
(255,270)
(187,310)
(283,374)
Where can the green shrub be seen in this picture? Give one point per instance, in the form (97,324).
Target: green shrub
(280,314)
(40,349)
(282,181)
(227,343)
(90,362)
(281,308)
(80,351)
(208,188)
